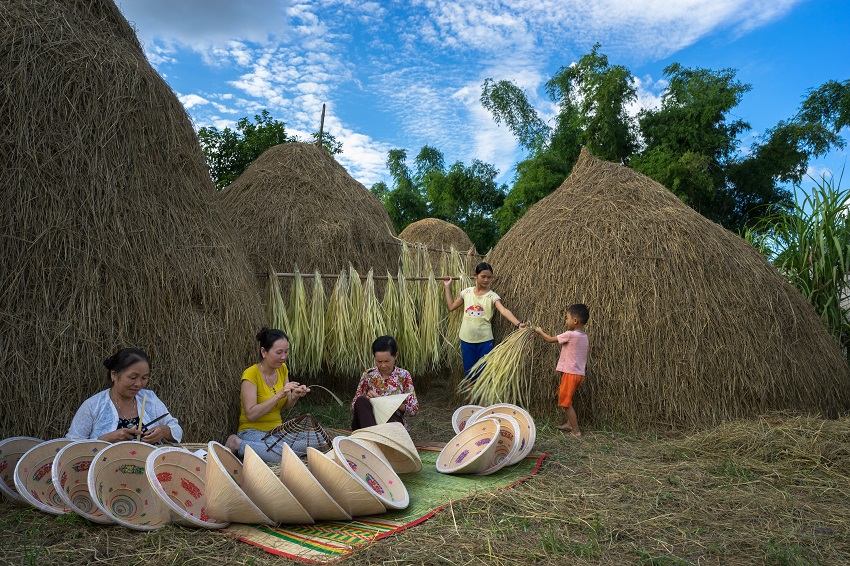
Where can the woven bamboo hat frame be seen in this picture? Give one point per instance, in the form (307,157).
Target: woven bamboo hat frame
(351,495)
(300,432)
(226,500)
(471,451)
(507,443)
(266,490)
(121,490)
(462,414)
(178,478)
(34,481)
(372,472)
(70,478)
(384,407)
(11,450)
(528,431)
(307,489)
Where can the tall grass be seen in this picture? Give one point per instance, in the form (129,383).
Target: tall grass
(809,242)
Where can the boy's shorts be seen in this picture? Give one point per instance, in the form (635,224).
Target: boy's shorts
(569,384)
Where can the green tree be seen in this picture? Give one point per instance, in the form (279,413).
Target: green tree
(405,203)
(229,152)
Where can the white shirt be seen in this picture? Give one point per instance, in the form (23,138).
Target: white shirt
(97,416)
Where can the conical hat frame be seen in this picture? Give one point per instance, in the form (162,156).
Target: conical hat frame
(471,451)
(523,418)
(266,490)
(226,500)
(70,478)
(121,490)
(11,450)
(33,478)
(384,407)
(307,489)
(351,495)
(307,424)
(372,472)
(185,494)
(461,416)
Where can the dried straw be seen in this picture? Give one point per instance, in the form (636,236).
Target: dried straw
(501,374)
(299,327)
(438,236)
(316,328)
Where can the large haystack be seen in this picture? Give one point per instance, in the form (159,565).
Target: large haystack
(439,237)
(296,206)
(108,236)
(689,324)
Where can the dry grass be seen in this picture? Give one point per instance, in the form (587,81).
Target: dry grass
(439,237)
(771,490)
(689,324)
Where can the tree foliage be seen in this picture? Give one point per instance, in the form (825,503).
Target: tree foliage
(229,152)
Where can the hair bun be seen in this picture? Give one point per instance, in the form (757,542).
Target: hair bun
(260,334)
(107,363)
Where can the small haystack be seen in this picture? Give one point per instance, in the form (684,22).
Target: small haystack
(296,206)
(108,234)
(439,237)
(689,324)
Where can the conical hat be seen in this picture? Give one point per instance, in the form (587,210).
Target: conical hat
(266,490)
(372,472)
(461,415)
(71,478)
(507,443)
(347,491)
(399,457)
(528,432)
(307,489)
(471,451)
(225,499)
(121,490)
(178,477)
(11,450)
(33,479)
(384,407)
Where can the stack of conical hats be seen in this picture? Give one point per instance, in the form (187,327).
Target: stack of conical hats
(395,444)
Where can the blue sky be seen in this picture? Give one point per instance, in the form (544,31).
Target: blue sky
(405,73)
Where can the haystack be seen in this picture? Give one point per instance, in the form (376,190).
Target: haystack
(295,206)
(439,237)
(108,233)
(689,324)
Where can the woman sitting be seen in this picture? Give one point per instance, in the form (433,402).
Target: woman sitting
(265,390)
(114,414)
(382,380)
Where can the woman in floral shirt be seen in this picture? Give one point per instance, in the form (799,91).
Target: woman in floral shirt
(383,379)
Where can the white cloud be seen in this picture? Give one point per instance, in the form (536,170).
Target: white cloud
(191,100)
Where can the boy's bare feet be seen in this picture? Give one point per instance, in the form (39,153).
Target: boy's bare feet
(575,434)
(565,426)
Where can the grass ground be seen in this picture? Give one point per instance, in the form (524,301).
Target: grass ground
(772,490)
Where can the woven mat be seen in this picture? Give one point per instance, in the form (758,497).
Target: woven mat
(429,491)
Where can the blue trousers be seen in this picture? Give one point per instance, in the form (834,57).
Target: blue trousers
(472,352)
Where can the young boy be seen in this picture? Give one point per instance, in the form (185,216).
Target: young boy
(571,363)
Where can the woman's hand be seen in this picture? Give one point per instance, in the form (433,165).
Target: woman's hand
(372,394)
(296,390)
(156,433)
(120,435)
(447,282)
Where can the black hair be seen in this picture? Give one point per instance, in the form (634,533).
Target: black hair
(268,336)
(580,311)
(385,344)
(124,358)
(483,266)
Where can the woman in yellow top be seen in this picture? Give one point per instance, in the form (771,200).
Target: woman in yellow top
(265,390)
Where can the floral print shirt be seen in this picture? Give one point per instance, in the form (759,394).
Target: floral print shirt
(399,381)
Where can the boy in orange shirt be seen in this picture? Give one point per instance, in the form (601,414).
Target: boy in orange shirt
(572,361)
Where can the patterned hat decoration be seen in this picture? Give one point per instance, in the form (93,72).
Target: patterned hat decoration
(348,492)
(462,414)
(178,478)
(307,489)
(372,472)
(507,443)
(266,490)
(11,450)
(226,500)
(121,490)
(71,478)
(528,432)
(33,478)
(384,407)
(471,451)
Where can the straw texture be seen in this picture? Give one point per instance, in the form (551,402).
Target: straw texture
(384,407)
(689,324)
(438,236)
(351,495)
(307,489)
(226,501)
(371,471)
(471,451)
(34,480)
(108,236)
(178,477)
(269,494)
(70,478)
(11,450)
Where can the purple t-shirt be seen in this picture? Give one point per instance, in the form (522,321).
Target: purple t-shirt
(573,358)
